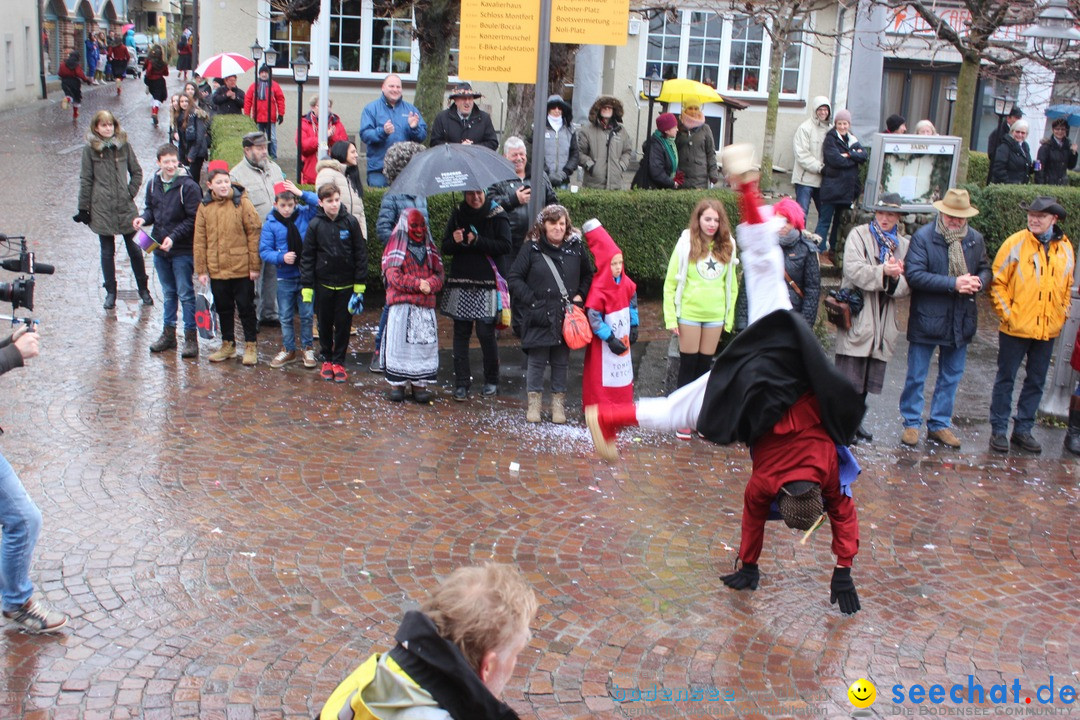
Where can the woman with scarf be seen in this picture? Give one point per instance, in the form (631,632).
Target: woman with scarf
(309,138)
(478,235)
(553,259)
(801,270)
(193,134)
(343,170)
(840,184)
(873,264)
(697,150)
(660,163)
(154,78)
(413,272)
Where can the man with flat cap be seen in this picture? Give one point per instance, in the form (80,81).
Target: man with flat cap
(464,122)
(258,174)
(1033,272)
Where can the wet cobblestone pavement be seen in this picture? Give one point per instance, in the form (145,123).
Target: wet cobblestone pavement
(230,542)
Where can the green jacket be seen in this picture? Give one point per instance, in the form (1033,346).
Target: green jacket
(108,183)
(700,292)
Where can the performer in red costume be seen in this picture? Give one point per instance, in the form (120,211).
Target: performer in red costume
(612,310)
(774,389)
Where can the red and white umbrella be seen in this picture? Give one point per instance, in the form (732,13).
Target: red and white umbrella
(225,65)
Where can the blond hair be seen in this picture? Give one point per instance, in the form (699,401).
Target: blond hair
(699,245)
(482,609)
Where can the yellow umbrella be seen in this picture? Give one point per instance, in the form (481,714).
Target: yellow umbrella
(682,90)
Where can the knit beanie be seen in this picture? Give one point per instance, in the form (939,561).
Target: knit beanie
(842,115)
(665,122)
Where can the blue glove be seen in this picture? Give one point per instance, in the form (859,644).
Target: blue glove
(356,303)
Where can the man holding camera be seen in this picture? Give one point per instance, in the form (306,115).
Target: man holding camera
(20,520)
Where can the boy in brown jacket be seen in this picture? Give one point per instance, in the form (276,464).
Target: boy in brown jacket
(227,257)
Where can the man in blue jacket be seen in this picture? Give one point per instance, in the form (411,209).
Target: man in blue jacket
(172,200)
(386,121)
(946,267)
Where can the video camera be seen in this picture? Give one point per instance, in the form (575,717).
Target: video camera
(20,293)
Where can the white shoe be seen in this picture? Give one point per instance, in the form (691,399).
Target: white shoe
(309,358)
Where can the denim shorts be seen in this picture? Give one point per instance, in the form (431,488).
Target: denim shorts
(695,323)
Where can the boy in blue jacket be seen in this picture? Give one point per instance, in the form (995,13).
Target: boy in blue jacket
(281,244)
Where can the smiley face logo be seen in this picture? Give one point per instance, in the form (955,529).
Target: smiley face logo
(862,693)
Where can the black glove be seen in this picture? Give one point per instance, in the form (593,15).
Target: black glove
(281,119)
(633,334)
(842,589)
(83,216)
(616,345)
(745,577)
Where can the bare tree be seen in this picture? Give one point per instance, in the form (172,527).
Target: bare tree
(982,44)
(520,96)
(787,23)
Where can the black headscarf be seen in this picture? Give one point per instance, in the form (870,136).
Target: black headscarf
(340,151)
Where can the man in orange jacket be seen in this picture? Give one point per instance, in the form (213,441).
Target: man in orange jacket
(1033,273)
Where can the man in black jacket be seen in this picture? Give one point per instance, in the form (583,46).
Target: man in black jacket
(463,122)
(172,201)
(228,99)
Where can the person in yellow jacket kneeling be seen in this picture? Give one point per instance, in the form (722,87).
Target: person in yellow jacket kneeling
(453,657)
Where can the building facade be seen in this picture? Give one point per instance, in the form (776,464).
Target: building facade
(20,59)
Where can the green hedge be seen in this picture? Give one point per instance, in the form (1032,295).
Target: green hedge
(978,168)
(226,133)
(1000,215)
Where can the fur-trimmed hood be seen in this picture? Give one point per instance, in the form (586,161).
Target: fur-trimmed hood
(330,163)
(97,143)
(616,109)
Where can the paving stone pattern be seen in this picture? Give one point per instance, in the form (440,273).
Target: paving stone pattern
(230,542)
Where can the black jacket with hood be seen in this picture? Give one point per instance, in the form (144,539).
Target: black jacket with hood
(335,252)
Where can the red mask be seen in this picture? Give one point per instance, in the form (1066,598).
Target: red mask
(417,226)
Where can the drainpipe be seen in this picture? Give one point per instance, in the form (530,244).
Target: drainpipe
(41,50)
(836,55)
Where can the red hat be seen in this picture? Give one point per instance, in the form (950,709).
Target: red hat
(792,212)
(600,243)
(666,121)
(280,188)
(217,166)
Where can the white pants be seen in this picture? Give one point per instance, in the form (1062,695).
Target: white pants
(766,291)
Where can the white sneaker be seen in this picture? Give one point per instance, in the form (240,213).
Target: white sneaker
(309,358)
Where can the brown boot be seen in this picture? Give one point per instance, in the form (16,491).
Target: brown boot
(533,413)
(558,410)
(191,344)
(227,351)
(251,353)
(167,341)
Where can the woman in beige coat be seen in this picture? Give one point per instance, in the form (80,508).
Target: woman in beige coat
(874,264)
(342,169)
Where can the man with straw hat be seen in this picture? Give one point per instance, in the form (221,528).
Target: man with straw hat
(946,267)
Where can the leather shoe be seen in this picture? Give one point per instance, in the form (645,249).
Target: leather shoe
(421,395)
(944,436)
(1026,442)
(146,298)
(864,434)
(910,436)
(110,301)
(397,393)
(489,390)
(999,443)
(461,394)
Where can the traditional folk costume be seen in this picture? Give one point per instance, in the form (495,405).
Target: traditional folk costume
(774,389)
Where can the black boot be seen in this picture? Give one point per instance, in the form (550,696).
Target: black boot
(110,300)
(191,344)
(1072,437)
(167,341)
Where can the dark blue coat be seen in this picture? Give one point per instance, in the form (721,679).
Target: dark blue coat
(274,239)
(840,177)
(172,213)
(940,315)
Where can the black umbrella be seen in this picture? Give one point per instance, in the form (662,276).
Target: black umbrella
(449,168)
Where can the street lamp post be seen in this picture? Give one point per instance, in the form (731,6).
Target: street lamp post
(651,86)
(300,70)
(1054,30)
(270,59)
(950,95)
(256,55)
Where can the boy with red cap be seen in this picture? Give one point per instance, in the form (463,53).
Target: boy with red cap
(281,244)
(774,389)
(612,311)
